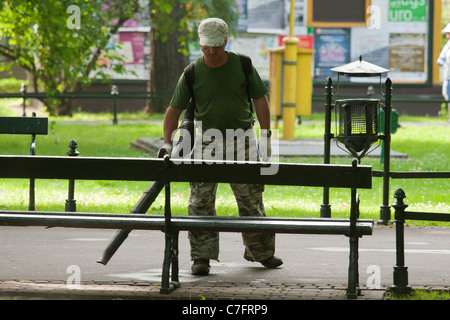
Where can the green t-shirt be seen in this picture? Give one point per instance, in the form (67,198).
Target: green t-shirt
(220,94)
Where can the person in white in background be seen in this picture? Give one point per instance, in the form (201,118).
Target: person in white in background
(444,61)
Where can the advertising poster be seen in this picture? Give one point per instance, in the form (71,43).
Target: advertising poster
(133,52)
(332,46)
(265,16)
(133,47)
(258,48)
(407,56)
(407,11)
(408,30)
(242,23)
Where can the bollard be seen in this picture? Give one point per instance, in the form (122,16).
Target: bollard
(325,208)
(400,285)
(71,205)
(23,91)
(115,92)
(32,196)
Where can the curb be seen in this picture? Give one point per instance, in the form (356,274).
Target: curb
(58,290)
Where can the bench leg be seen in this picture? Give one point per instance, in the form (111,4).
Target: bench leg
(353,276)
(170,258)
(165,284)
(170,251)
(353,289)
(175,268)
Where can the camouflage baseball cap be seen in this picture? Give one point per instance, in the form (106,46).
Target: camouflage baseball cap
(212,32)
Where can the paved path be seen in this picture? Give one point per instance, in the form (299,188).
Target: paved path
(41,262)
(284,148)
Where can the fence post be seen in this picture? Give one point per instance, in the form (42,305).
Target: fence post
(400,270)
(32,196)
(325,208)
(114,93)
(71,205)
(23,91)
(385,209)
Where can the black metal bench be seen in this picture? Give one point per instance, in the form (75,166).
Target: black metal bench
(338,176)
(26,125)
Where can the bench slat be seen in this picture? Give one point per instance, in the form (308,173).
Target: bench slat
(184,223)
(275,226)
(143,169)
(23,125)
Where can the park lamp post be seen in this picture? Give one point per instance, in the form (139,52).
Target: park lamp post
(115,93)
(357,126)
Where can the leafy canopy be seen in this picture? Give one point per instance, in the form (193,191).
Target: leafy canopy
(60,42)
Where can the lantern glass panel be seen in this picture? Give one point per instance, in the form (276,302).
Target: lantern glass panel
(358,123)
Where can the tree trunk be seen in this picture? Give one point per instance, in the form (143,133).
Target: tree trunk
(167,62)
(64,108)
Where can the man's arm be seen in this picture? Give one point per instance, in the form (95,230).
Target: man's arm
(262,112)
(170,123)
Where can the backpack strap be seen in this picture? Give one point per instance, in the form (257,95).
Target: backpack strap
(246,63)
(189,78)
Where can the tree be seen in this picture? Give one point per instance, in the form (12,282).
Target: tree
(60,43)
(174,23)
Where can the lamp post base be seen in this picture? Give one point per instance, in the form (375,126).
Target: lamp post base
(325,211)
(385,215)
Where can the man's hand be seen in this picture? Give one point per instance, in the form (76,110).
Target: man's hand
(265,145)
(166,149)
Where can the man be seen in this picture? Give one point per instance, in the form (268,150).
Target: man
(444,61)
(222,104)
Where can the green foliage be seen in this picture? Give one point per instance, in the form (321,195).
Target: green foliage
(192,12)
(58,45)
(11,85)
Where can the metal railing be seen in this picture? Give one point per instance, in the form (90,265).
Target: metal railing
(400,285)
(115,94)
(413,174)
(398,98)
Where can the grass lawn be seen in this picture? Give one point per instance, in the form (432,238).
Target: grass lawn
(427,146)
(421,294)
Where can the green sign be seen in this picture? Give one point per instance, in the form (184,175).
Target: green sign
(408,10)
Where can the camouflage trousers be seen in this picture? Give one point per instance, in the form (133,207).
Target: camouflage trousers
(205,244)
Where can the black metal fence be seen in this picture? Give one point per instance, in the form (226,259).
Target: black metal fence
(115,94)
(400,285)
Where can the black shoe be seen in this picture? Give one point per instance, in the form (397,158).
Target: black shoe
(271,263)
(200,267)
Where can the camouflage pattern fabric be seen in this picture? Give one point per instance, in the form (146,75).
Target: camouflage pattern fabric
(205,244)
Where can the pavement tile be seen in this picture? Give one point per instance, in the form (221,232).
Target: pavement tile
(145,290)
